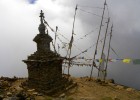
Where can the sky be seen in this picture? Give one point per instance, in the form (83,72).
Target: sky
(19,25)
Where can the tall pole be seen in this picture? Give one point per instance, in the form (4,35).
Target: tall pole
(104,44)
(93,64)
(71,41)
(108,51)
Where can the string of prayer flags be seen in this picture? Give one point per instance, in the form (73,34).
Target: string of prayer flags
(126,60)
(136,61)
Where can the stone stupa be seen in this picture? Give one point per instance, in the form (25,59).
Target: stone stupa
(45,66)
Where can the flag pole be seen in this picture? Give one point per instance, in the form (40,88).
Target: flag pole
(71,41)
(93,63)
(108,51)
(103,45)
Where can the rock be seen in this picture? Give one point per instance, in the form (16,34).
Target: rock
(119,87)
(1,97)
(5,98)
(116,98)
(12,89)
(62,95)
(14,98)
(129,89)
(35,93)
(27,98)
(97,80)
(31,90)
(21,95)
(19,88)
(32,98)
(111,81)
(43,98)
(9,94)
(111,84)
(40,94)
(4,84)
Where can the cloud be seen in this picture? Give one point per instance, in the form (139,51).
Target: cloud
(20,20)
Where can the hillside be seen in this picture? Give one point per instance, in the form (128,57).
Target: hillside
(12,89)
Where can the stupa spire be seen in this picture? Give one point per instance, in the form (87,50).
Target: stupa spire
(41,27)
(41,16)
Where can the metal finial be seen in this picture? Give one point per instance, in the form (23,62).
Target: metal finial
(42,26)
(41,16)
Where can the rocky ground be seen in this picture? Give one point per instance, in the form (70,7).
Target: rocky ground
(13,89)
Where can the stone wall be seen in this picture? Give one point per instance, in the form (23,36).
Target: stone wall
(45,72)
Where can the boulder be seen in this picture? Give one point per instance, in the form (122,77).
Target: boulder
(9,94)
(19,88)
(40,94)
(31,90)
(4,84)
(130,89)
(111,84)
(35,93)
(14,98)
(110,81)
(119,87)
(116,98)
(97,80)
(1,97)
(62,95)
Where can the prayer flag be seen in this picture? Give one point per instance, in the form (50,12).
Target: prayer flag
(71,41)
(119,59)
(100,60)
(102,67)
(112,60)
(136,61)
(126,60)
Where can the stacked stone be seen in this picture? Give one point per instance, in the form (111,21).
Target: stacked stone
(45,66)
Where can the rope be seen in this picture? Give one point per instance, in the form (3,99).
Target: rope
(88,48)
(91,13)
(91,7)
(87,34)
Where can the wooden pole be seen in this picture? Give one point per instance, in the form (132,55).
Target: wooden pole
(93,64)
(71,41)
(108,52)
(104,44)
